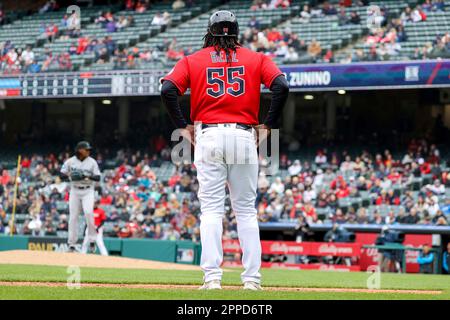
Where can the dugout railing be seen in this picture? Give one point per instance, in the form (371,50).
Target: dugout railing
(402,250)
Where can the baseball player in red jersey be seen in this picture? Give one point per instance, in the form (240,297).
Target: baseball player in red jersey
(225,81)
(99,220)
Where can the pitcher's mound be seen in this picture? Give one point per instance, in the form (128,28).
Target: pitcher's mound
(50,258)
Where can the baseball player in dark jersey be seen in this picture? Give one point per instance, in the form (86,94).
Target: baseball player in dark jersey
(225,81)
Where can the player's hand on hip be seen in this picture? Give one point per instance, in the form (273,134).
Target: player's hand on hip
(189,133)
(262,133)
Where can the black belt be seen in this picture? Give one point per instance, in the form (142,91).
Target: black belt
(82,188)
(238,126)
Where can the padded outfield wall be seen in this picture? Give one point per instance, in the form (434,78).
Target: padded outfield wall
(148,249)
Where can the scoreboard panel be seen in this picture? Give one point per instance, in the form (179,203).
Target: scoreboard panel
(81,84)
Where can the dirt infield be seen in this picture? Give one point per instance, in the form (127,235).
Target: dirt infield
(194,287)
(50,258)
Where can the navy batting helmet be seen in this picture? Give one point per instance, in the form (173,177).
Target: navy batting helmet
(223,24)
(83,145)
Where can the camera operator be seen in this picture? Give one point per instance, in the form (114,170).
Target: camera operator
(390,257)
(338,234)
(303,233)
(302,230)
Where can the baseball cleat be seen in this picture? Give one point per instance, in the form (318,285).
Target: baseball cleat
(92,248)
(250,285)
(211,285)
(72,249)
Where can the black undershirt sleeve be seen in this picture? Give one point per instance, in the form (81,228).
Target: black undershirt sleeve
(280,92)
(95,178)
(169,96)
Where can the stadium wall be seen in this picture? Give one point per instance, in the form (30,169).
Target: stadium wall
(186,252)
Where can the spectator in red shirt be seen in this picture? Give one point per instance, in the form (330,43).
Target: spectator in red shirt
(106,199)
(425,167)
(345,3)
(129,5)
(51,32)
(174,180)
(64,61)
(342,192)
(389,162)
(296,195)
(141,6)
(393,199)
(5,178)
(174,54)
(387,198)
(26,162)
(339,180)
(296,211)
(132,229)
(328,57)
(83,43)
(310,212)
(124,232)
(122,169)
(274,35)
(394,176)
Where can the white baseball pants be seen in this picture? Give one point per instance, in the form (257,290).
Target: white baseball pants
(227,155)
(99,241)
(81,200)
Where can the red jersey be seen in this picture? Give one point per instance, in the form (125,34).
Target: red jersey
(221,91)
(342,193)
(99,216)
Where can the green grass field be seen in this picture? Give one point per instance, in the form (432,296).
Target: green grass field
(271,278)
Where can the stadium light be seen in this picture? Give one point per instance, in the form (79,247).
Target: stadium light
(308,97)
(341,92)
(106,101)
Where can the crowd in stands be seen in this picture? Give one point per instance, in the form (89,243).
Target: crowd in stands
(139,203)
(305,191)
(386,38)
(439,48)
(286,44)
(16,60)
